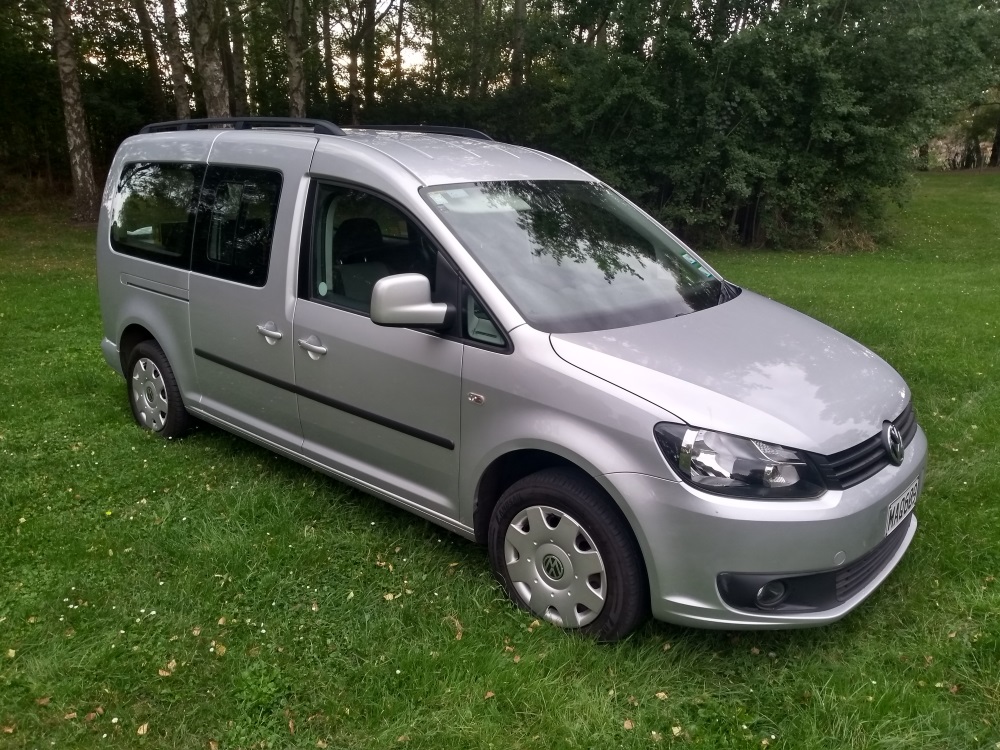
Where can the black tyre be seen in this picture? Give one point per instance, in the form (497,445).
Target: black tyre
(562,550)
(153,393)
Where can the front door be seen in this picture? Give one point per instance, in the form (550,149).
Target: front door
(379,404)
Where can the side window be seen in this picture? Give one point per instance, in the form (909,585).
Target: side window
(153,212)
(477,323)
(359,238)
(236,224)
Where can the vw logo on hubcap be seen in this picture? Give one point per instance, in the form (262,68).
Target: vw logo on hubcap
(893,443)
(553,567)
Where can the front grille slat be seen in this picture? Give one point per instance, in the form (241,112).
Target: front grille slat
(854,465)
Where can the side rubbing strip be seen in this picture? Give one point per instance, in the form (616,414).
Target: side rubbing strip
(339,405)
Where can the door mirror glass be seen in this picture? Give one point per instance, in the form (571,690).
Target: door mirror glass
(405,300)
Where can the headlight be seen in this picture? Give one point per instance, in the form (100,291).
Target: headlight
(730,465)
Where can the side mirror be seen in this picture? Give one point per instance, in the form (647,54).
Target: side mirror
(405,300)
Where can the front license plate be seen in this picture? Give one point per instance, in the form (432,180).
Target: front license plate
(900,507)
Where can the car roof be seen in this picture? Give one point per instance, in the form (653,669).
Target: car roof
(437,159)
(431,158)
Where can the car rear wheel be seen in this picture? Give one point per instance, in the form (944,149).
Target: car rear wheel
(563,551)
(153,393)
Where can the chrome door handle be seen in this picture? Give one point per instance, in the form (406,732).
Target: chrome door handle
(268,331)
(314,349)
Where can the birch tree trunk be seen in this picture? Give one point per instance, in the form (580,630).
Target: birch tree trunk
(85,195)
(398,72)
(237,30)
(331,85)
(353,84)
(517,44)
(204,21)
(296,72)
(370,50)
(995,151)
(475,49)
(147,32)
(176,57)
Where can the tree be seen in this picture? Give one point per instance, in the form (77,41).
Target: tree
(85,195)
(147,31)
(293,47)
(175,55)
(205,21)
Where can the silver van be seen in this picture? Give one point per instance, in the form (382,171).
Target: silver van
(495,340)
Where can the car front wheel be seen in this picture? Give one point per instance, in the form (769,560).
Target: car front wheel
(562,550)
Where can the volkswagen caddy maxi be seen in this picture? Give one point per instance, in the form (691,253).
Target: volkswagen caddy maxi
(497,341)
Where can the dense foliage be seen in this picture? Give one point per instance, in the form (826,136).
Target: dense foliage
(754,121)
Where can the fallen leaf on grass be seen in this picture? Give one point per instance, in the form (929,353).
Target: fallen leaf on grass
(403,738)
(315,607)
(291,726)
(8,729)
(220,649)
(489,694)
(755,651)
(11,653)
(43,701)
(143,728)
(70,715)
(953,689)
(629,724)
(196,631)
(321,743)
(389,597)
(676,731)
(662,695)
(213,745)
(222,620)
(90,717)
(164,672)
(656,736)
(632,700)
(517,658)
(666,646)
(100,710)
(456,624)
(508,649)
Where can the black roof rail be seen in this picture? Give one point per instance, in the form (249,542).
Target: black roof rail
(323,127)
(438,129)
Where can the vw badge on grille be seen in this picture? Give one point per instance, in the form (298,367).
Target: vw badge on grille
(892,441)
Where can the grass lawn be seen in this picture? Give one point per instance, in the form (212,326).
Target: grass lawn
(204,593)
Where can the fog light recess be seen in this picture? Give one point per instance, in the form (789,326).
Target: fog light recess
(771,594)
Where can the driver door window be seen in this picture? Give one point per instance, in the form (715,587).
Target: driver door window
(358,239)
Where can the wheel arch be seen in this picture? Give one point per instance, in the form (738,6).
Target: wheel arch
(133,335)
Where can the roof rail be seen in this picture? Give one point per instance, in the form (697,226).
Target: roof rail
(438,129)
(323,127)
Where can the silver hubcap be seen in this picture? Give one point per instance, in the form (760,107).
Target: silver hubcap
(149,395)
(555,566)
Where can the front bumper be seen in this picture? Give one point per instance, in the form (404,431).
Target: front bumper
(689,538)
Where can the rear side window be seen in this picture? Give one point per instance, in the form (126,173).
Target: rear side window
(153,212)
(236,224)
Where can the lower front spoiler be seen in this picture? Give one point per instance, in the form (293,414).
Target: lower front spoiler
(694,614)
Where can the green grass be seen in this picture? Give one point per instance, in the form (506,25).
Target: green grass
(269,582)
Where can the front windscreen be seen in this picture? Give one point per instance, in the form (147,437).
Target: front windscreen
(575,256)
